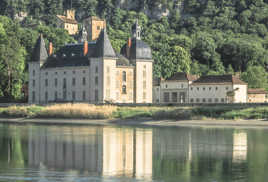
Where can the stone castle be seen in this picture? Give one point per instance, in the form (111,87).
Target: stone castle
(92,71)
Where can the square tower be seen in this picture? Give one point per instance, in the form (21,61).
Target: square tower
(94,26)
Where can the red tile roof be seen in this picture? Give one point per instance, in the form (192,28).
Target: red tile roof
(257,91)
(67,20)
(219,79)
(180,76)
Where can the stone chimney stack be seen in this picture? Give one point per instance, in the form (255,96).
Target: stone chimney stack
(85,48)
(50,50)
(128,47)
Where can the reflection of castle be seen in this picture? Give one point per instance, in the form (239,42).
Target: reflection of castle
(100,151)
(240,146)
(138,153)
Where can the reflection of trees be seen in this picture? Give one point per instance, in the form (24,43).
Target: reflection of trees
(11,147)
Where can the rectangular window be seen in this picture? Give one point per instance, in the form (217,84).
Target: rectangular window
(181,85)
(222,100)
(96,95)
(73,95)
(204,88)
(96,69)
(209,100)
(197,100)
(144,84)
(46,82)
(64,95)
(166,96)
(192,100)
(46,96)
(124,89)
(216,100)
(84,81)
(96,81)
(144,74)
(191,88)
(73,82)
(174,97)
(33,96)
(84,95)
(56,96)
(64,82)
(107,93)
(144,95)
(108,81)
(204,100)
(56,82)
(124,76)
(33,72)
(33,83)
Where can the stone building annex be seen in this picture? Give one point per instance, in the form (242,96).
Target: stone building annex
(92,72)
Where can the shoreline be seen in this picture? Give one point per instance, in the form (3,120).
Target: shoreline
(145,122)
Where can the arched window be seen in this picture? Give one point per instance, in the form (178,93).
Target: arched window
(124,76)
(124,89)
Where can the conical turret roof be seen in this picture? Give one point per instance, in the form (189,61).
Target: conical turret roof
(104,47)
(40,51)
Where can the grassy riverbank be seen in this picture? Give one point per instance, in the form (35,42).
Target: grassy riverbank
(86,111)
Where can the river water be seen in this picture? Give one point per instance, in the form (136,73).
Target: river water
(130,154)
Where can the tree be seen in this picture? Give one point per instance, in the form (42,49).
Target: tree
(256,77)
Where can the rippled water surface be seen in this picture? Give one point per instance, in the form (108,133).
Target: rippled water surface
(114,154)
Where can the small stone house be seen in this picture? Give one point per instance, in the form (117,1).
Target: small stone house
(94,26)
(68,22)
(218,89)
(174,89)
(257,95)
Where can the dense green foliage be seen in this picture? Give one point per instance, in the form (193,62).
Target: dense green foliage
(200,37)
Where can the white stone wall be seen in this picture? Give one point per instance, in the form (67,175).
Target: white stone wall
(34,82)
(240,93)
(109,80)
(144,95)
(96,70)
(68,73)
(179,87)
(204,92)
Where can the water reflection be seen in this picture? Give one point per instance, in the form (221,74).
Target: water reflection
(146,154)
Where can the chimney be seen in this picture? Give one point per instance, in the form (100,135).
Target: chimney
(128,47)
(50,50)
(85,48)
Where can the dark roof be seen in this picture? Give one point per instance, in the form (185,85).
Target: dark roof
(122,61)
(40,51)
(219,79)
(182,76)
(257,91)
(104,47)
(138,50)
(71,55)
(67,20)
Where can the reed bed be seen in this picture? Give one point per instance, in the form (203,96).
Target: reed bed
(80,111)
(88,111)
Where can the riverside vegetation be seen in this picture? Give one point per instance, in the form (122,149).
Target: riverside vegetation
(86,111)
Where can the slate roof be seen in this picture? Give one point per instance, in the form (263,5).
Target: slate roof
(257,91)
(219,79)
(67,20)
(40,51)
(122,61)
(180,76)
(104,47)
(71,55)
(138,50)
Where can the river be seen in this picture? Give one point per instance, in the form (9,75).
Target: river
(130,154)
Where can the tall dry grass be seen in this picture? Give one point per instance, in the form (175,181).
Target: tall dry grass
(84,111)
